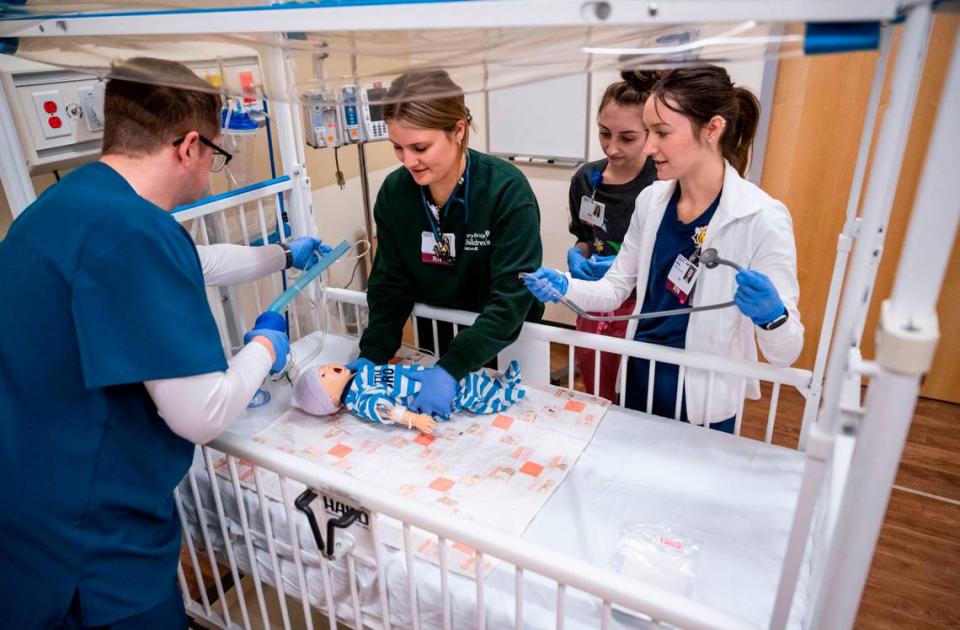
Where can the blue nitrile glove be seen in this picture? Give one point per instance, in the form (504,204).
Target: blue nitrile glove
(542,280)
(757,298)
(437,391)
(600,265)
(273,327)
(359,364)
(306,250)
(272,320)
(280,343)
(578,264)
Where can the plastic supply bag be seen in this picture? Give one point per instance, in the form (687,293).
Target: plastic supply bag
(658,555)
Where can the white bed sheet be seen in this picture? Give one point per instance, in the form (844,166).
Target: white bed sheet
(734,496)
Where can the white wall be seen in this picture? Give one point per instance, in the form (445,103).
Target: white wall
(339,216)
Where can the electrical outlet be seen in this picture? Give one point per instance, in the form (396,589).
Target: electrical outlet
(51,114)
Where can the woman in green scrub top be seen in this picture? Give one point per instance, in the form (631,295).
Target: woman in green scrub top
(454,227)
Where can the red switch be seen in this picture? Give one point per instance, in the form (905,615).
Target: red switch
(50,106)
(55,122)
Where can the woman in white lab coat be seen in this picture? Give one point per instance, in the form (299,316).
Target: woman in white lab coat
(700,129)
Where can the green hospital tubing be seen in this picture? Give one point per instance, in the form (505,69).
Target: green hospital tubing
(307,277)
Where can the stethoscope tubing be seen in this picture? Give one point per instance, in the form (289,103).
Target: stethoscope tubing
(714,262)
(436,225)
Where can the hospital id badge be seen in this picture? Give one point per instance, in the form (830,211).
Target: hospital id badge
(442,253)
(683,274)
(592,211)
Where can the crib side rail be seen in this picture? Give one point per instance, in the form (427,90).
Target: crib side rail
(250,215)
(537,338)
(233,198)
(399,603)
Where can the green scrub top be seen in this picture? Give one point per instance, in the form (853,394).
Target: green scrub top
(497,235)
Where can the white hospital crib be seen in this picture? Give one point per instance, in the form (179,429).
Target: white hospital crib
(736,495)
(786,534)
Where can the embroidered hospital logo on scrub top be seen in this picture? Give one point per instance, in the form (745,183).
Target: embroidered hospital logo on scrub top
(475,240)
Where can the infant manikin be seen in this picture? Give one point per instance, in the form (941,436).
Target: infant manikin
(382,393)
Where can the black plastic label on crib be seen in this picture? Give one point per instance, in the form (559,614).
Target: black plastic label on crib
(337,508)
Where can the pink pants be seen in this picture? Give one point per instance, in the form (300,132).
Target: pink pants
(609,363)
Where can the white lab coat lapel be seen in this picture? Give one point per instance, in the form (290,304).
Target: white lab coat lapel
(734,205)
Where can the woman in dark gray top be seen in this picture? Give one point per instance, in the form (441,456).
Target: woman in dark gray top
(602,197)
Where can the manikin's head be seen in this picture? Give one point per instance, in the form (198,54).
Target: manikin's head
(319,389)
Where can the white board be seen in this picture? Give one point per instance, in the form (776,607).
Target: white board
(547,119)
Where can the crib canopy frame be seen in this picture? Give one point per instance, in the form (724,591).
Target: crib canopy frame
(447,31)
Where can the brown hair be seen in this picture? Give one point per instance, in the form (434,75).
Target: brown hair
(703,91)
(632,90)
(150,102)
(428,99)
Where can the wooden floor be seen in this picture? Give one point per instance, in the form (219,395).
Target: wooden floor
(914,581)
(915,578)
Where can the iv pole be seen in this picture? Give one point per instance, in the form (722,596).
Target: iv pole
(365,189)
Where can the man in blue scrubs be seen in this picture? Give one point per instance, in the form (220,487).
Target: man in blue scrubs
(106,321)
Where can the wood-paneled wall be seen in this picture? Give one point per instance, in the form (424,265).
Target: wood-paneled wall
(818,113)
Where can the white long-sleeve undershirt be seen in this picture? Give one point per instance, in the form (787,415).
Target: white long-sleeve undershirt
(199,408)
(225,264)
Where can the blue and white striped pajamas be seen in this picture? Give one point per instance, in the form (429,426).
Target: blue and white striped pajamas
(391,385)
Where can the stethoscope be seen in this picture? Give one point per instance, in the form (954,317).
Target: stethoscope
(442,246)
(710,259)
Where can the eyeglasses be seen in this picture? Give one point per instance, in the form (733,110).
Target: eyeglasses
(220,157)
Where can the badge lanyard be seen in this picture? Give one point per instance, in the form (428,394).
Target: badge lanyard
(683,275)
(592,212)
(684,271)
(596,178)
(436,223)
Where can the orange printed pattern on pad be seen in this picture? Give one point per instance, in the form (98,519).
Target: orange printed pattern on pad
(441,484)
(424,440)
(531,468)
(340,450)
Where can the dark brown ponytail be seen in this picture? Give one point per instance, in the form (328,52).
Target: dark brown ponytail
(632,90)
(704,91)
(737,142)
